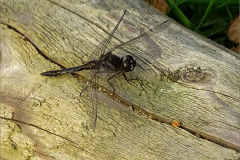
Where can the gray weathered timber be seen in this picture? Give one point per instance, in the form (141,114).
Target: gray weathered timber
(45,118)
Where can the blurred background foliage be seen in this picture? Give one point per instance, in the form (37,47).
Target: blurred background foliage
(210,18)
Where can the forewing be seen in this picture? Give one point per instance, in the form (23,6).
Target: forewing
(93,75)
(145,51)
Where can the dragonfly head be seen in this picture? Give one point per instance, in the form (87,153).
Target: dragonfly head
(128,63)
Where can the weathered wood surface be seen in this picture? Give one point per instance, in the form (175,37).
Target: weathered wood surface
(45,118)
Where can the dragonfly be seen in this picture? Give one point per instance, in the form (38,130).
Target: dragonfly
(108,62)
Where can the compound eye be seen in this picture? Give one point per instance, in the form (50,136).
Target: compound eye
(127,65)
(129,57)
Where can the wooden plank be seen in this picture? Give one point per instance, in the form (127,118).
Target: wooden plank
(44,117)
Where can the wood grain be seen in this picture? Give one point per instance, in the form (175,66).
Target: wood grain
(46,118)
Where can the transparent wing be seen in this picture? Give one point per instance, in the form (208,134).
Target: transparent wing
(141,71)
(101,48)
(149,33)
(93,76)
(140,50)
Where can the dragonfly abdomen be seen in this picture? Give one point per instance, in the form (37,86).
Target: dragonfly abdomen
(87,66)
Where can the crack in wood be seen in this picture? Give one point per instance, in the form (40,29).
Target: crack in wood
(27,39)
(211,138)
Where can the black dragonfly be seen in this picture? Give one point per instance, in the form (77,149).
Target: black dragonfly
(110,62)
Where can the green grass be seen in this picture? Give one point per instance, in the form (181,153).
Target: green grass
(210,18)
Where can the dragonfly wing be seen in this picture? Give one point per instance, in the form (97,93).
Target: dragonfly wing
(94,79)
(149,33)
(101,48)
(143,51)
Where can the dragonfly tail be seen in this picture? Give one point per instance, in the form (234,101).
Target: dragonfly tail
(63,71)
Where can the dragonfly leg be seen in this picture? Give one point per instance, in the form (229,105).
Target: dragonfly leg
(111,78)
(84,89)
(126,78)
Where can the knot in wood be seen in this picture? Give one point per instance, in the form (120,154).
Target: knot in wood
(194,75)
